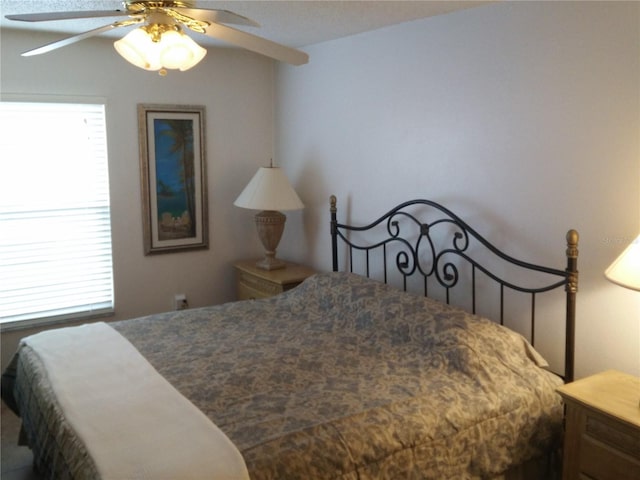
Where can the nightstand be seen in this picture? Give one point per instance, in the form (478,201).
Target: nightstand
(602,431)
(253,282)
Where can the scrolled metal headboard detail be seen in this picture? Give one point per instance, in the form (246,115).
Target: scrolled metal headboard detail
(432,249)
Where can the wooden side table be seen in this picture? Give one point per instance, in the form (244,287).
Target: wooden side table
(253,282)
(602,435)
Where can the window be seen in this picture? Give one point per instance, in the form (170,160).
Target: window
(55,230)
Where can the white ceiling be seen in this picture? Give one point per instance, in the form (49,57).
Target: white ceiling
(292,23)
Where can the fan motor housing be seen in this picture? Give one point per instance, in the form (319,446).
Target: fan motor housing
(137,6)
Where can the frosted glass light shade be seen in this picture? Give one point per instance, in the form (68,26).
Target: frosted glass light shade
(174,50)
(269,189)
(625,270)
(136,48)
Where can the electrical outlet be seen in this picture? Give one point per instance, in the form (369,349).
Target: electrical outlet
(180,302)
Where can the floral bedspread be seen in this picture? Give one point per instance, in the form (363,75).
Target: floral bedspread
(344,377)
(341,378)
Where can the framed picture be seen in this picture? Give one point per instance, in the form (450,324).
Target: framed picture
(173,175)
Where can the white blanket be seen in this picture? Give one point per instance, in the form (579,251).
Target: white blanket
(134,424)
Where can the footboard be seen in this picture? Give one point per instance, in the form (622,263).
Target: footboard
(421,238)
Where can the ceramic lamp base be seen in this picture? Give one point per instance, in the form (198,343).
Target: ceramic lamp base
(270,226)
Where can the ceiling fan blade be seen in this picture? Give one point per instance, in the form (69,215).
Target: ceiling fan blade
(257,44)
(71,40)
(217,16)
(45,17)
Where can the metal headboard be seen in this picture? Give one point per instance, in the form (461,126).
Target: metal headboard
(409,260)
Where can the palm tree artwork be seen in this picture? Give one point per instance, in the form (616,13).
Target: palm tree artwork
(175,178)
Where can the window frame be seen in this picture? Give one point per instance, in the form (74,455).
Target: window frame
(79,316)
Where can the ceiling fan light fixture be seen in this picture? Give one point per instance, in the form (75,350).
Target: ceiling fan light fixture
(156,47)
(141,48)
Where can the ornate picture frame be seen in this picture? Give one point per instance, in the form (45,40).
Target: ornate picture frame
(173,177)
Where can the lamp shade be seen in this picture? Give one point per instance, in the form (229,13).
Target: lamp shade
(269,189)
(625,270)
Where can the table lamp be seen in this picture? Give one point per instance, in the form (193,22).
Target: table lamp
(269,191)
(625,270)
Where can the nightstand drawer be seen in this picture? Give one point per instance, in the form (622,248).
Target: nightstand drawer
(617,436)
(260,287)
(253,282)
(609,449)
(602,436)
(600,461)
(246,292)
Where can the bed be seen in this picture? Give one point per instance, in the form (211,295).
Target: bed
(343,377)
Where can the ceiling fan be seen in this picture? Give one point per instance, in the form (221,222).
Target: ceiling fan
(160,43)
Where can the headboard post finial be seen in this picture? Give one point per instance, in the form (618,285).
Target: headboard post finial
(572,260)
(333,201)
(572,243)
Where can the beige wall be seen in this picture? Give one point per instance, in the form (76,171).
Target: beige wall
(520,115)
(236,88)
(524,117)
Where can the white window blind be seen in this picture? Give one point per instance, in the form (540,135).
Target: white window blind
(55,230)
